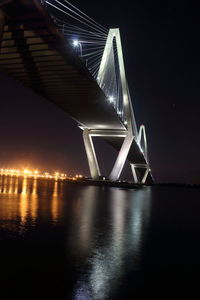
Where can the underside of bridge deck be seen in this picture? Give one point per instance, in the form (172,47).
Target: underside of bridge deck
(36,54)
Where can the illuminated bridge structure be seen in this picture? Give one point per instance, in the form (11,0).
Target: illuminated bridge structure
(36,49)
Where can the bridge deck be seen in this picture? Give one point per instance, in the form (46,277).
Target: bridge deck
(36,54)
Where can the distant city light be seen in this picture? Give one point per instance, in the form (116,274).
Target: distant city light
(37,174)
(26,171)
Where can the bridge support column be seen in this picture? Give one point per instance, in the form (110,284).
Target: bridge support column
(135,178)
(140,172)
(91,155)
(122,156)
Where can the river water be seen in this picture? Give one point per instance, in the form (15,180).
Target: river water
(63,241)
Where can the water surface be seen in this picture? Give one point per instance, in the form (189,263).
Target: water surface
(62,241)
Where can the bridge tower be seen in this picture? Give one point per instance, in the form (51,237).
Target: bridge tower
(130,134)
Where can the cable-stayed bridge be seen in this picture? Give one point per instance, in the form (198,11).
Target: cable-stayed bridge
(68,58)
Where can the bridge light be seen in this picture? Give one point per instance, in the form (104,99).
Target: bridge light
(111,99)
(75,43)
(125,122)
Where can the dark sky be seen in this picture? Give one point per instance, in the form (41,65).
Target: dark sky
(161,50)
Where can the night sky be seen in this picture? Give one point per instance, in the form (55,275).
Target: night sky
(161,50)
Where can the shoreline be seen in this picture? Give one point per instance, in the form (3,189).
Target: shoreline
(106,183)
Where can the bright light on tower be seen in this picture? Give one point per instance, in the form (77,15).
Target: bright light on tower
(111,99)
(75,43)
(78,46)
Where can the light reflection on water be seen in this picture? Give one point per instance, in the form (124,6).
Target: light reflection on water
(129,217)
(23,202)
(105,228)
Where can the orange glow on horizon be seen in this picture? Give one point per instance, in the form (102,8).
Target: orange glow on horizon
(28,173)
